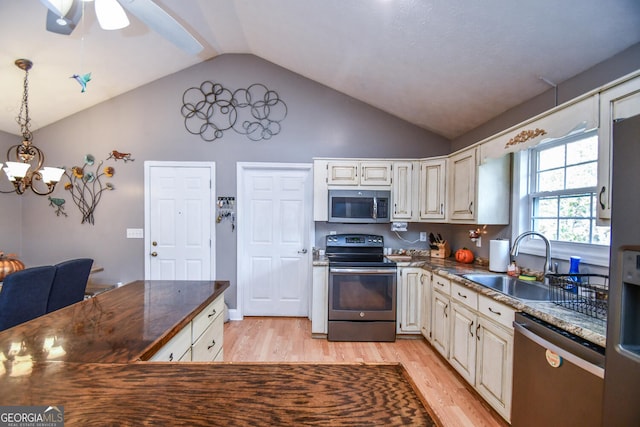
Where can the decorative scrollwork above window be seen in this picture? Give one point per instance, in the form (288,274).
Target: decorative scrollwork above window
(211,109)
(524,136)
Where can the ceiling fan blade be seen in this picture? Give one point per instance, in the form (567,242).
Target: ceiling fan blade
(162,23)
(111,16)
(63,17)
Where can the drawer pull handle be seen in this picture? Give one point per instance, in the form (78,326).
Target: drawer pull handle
(495,312)
(171,357)
(213,343)
(463,296)
(213,313)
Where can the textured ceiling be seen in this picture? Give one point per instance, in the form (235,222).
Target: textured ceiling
(447,66)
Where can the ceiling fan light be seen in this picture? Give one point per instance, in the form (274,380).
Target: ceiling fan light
(111,16)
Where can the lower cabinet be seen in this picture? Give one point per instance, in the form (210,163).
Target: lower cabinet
(475,334)
(319,300)
(199,341)
(409,309)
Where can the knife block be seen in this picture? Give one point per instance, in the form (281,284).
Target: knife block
(443,251)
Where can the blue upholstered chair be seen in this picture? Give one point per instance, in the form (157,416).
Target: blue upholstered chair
(24,295)
(69,283)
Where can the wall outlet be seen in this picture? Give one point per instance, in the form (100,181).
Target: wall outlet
(423,236)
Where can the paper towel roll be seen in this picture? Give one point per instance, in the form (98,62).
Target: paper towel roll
(498,255)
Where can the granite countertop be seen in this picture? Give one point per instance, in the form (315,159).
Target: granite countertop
(581,325)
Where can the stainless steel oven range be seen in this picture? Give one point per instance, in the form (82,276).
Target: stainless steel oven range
(362,289)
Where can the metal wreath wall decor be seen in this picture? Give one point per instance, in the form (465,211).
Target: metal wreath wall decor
(211,109)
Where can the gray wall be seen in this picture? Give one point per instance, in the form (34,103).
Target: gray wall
(147,123)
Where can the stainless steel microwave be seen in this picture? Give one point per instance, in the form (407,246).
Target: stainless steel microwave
(359,206)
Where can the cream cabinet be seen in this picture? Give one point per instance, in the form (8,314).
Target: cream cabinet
(199,341)
(478,194)
(432,190)
(494,365)
(402,191)
(619,102)
(177,349)
(409,313)
(355,173)
(440,312)
(207,333)
(462,348)
(462,184)
(319,300)
(425,309)
(475,334)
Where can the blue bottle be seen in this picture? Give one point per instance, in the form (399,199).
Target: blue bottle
(574,268)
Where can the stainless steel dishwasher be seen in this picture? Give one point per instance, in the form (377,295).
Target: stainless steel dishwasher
(558,378)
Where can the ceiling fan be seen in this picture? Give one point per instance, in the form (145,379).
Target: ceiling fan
(64,15)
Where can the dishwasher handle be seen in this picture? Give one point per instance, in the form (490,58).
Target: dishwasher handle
(576,360)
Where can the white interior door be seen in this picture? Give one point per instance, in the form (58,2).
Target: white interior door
(274,234)
(178,221)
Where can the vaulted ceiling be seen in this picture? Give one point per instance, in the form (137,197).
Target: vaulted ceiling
(447,66)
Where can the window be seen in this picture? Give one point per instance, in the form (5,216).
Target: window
(562,190)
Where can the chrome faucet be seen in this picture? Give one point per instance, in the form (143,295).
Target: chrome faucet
(547,261)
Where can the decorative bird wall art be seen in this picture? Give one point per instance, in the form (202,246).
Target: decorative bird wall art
(82,80)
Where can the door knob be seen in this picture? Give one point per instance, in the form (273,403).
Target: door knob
(304,251)
(154,253)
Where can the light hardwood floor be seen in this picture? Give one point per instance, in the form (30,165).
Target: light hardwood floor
(276,339)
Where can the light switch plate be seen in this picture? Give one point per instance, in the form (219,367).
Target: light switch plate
(135,233)
(423,236)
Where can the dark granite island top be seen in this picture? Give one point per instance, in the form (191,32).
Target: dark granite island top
(89,359)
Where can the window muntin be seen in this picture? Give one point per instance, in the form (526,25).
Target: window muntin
(563,190)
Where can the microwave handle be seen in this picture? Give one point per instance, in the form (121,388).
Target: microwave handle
(375,207)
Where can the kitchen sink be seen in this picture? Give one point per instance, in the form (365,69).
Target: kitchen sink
(520,289)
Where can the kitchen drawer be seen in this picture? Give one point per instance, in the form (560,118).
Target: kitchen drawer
(206,348)
(496,311)
(207,316)
(464,295)
(175,349)
(441,284)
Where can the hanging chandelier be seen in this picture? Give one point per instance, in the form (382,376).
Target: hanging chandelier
(24,161)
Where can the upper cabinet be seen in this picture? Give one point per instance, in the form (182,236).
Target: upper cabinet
(462,186)
(354,173)
(402,191)
(431,189)
(478,194)
(618,103)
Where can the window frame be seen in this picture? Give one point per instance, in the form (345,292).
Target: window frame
(522,208)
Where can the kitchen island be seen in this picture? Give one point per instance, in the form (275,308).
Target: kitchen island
(90,359)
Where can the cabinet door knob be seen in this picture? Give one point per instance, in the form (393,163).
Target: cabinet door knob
(154,253)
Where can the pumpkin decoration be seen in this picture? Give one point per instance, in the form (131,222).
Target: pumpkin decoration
(464,256)
(9,264)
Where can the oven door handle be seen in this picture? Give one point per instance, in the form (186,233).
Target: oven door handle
(362,270)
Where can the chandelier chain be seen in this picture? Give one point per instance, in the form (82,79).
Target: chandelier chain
(23,118)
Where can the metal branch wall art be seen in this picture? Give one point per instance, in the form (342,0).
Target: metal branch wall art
(86,185)
(211,109)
